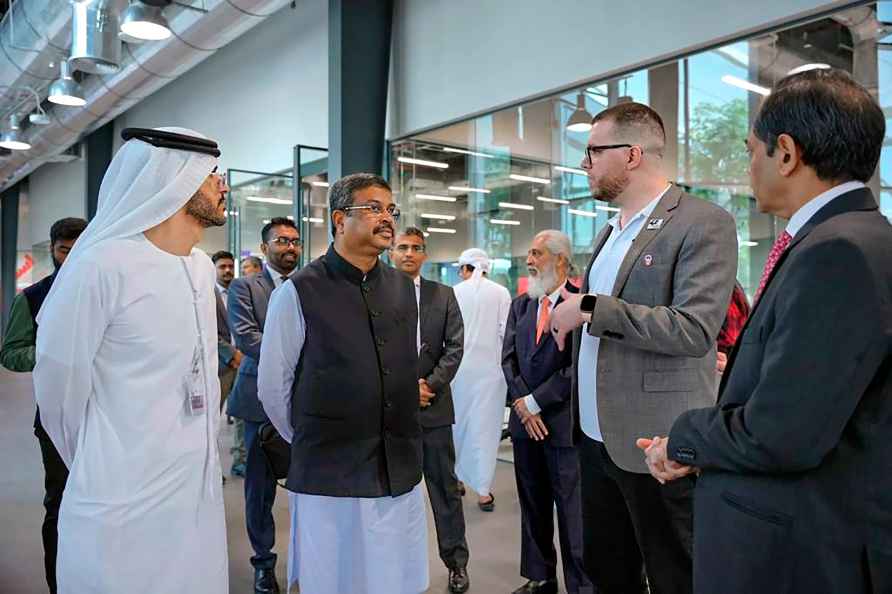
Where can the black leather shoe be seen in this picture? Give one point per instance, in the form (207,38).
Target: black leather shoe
(458,580)
(488,506)
(265,581)
(534,587)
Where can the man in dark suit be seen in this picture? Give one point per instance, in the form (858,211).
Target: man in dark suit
(228,357)
(248,300)
(795,490)
(654,297)
(440,345)
(546,465)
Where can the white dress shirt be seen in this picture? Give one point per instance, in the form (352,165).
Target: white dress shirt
(601,280)
(417,283)
(529,400)
(224,295)
(811,208)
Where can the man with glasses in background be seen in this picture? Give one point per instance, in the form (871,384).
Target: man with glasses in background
(440,346)
(248,300)
(339,380)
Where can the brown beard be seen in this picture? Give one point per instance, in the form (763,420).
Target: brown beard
(204,212)
(611,186)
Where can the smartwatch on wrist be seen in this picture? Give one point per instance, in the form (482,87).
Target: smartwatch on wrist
(587,304)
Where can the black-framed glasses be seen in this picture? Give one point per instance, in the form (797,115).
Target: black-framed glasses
(594,149)
(406,247)
(287,241)
(376,210)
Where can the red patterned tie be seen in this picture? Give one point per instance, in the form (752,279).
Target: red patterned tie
(777,250)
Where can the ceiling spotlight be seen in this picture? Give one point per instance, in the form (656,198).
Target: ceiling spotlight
(581,120)
(95,47)
(65,90)
(144,20)
(12,139)
(39,119)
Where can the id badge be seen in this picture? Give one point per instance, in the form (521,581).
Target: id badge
(195,397)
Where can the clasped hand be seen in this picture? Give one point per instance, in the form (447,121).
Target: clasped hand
(658,463)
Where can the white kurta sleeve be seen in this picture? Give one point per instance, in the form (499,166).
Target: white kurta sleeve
(283,339)
(69,335)
(504,311)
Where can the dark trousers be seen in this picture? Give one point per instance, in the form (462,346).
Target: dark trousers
(55,476)
(627,517)
(260,493)
(548,478)
(442,489)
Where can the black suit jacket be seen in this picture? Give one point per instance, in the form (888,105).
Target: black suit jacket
(796,489)
(248,300)
(538,369)
(442,345)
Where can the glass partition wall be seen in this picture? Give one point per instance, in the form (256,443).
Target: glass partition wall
(496,180)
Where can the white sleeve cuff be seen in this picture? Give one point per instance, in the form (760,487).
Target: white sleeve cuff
(532,405)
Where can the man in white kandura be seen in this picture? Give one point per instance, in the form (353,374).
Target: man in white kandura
(338,378)
(126,377)
(479,389)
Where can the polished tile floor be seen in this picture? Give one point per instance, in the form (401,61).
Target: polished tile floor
(493,538)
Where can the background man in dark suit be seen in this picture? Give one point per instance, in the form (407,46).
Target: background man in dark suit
(795,491)
(248,300)
(440,344)
(228,357)
(655,294)
(546,465)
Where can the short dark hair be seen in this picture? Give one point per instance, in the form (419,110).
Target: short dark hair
(275,222)
(253,260)
(340,195)
(413,231)
(67,229)
(222,255)
(835,122)
(635,121)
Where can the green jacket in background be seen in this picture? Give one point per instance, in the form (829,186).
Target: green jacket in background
(18,351)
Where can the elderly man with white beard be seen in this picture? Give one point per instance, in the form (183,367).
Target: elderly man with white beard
(546,464)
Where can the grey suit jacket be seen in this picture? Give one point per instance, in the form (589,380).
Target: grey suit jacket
(659,325)
(442,346)
(248,300)
(225,348)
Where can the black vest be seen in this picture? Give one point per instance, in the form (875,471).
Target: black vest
(355,397)
(35,295)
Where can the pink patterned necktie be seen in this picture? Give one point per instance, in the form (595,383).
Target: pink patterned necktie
(777,250)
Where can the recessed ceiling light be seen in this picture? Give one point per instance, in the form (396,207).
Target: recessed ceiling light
(440,230)
(435,198)
(582,213)
(745,85)
(437,217)
(807,67)
(503,222)
(410,161)
(516,206)
(268,200)
(606,208)
(529,178)
(320,184)
(449,149)
(552,200)
(468,189)
(570,170)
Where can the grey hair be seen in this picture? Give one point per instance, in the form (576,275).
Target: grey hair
(340,195)
(558,243)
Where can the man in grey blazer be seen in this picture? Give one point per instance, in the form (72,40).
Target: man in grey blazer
(228,357)
(440,347)
(248,300)
(652,303)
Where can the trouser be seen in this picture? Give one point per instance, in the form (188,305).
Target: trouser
(548,478)
(442,489)
(260,493)
(628,517)
(55,476)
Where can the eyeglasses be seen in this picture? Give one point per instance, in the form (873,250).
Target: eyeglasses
(592,150)
(404,247)
(287,241)
(376,210)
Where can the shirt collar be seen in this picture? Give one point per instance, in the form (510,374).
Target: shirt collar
(417,281)
(811,208)
(221,288)
(553,298)
(643,213)
(275,274)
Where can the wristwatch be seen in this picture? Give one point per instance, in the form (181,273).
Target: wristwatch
(587,305)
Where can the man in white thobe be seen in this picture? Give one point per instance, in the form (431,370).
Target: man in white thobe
(339,380)
(479,390)
(126,377)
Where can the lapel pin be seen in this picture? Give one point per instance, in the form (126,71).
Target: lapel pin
(648,260)
(654,224)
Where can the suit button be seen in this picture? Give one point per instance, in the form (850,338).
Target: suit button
(380,341)
(385,371)
(375,313)
(387,404)
(366,289)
